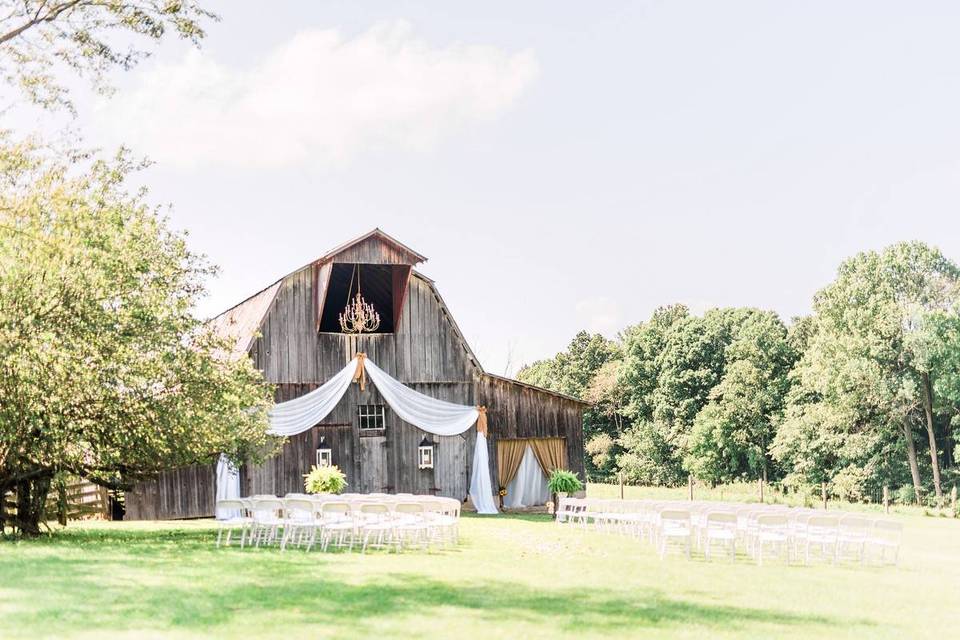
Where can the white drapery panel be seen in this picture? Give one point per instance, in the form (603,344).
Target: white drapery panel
(438,417)
(296,416)
(529,486)
(228,486)
(481,489)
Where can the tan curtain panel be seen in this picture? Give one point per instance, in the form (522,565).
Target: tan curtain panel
(509,455)
(551,453)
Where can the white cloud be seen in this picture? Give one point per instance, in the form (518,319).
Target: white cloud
(320,99)
(600,315)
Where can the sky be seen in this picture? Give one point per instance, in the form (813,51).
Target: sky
(563,165)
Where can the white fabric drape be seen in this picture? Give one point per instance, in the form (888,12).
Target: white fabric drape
(434,416)
(438,417)
(228,486)
(296,416)
(481,489)
(529,486)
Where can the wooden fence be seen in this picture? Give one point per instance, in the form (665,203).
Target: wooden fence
(85,501)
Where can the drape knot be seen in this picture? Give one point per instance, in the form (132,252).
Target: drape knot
(482,419)
(361,373)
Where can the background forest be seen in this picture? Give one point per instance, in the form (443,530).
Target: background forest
(861,394)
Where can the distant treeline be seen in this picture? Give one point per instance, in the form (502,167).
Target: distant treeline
(863,393)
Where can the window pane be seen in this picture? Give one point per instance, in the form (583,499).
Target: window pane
(371,416)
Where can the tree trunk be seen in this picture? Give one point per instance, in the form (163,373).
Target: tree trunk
(927,393)
(31,503)
(912,457)
(949,456)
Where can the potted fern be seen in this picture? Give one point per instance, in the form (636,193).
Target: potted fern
(328,479)
(563,483)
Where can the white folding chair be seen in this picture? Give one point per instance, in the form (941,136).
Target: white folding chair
(674,525)
(376,523)
(772,532)
(852,533)
(821,533)
(266,519)
(885,536)
(232,516)
(439,522)
(336,521)
(452,516)
(720,527)
(299,522)
(411,526)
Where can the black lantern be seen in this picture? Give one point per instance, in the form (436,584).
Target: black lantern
(324,454)
(425,454)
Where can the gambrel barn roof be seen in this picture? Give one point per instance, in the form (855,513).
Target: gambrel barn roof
(241,324)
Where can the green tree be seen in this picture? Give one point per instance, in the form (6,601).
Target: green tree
(732,433)
(645,452)
(39,38)
(106,373)
(571,371)
(871,368)
(574,372)
(647,457)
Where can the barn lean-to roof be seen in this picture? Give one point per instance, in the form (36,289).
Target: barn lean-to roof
(241,323)
(536,388)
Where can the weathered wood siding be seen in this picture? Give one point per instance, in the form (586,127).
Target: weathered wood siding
(426,352)
(515,410)
(188,492)
(374,251)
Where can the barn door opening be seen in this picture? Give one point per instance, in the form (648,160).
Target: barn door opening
(523,467)
(373,464)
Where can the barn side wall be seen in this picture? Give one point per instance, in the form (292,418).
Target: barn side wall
(515,410)
(187,492)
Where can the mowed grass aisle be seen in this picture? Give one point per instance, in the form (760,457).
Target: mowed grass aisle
(512,576)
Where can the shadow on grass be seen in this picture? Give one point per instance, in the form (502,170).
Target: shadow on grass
(173,579)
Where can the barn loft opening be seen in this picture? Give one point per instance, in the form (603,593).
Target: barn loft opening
(382,285)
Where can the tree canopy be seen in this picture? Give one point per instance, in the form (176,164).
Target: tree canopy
(41,39)
(845,396)
(107,374)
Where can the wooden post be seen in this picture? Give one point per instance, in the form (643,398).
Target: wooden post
(620,477)
(760,487)
(690,487)
(953,500)
(886,499)
(823,493)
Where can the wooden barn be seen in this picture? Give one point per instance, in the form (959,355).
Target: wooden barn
(292,332)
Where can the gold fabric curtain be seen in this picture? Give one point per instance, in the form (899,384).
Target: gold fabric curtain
(509,456)
(551,453)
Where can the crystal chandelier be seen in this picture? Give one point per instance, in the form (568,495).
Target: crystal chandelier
(358,316)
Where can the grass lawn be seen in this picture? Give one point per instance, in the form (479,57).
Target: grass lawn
(512,576)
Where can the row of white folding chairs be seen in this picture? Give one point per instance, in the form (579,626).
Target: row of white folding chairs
(395,522)
(758,529)
(833,536)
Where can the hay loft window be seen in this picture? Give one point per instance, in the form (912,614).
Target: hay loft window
(382,286)
(371,417)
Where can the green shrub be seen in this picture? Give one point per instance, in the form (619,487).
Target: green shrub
(325,480)
(563,481)
(905,495)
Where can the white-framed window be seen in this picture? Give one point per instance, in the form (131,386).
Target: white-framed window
(371,417)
